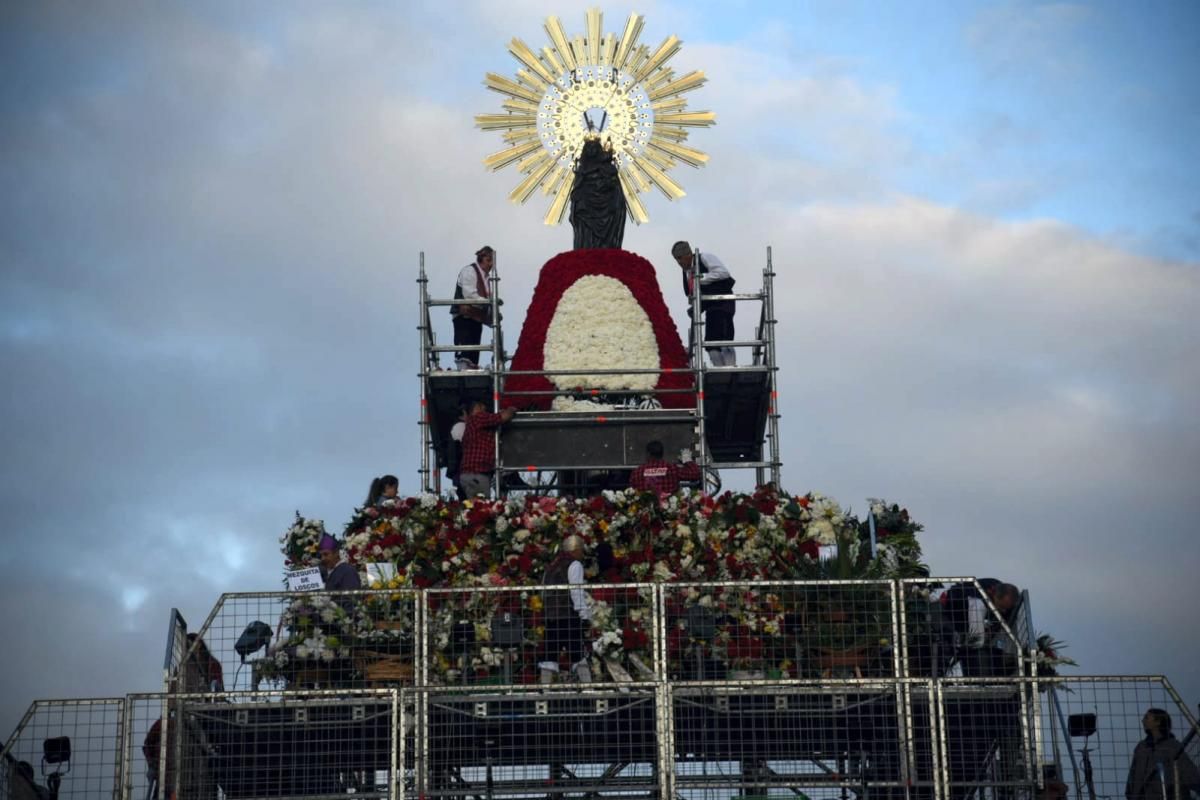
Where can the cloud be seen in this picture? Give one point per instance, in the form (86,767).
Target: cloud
(1031,42)
(207,316)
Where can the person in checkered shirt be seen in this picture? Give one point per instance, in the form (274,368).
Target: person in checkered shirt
(660,476)
(479,449)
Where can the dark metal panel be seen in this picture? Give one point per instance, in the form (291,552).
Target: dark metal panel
(574,440)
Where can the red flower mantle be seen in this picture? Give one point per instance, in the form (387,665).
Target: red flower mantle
(558,275)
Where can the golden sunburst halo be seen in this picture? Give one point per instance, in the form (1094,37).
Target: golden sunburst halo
(595,85)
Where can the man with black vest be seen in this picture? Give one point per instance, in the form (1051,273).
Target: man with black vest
(718,314)
(470,319)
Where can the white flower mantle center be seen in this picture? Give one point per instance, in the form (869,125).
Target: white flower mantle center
(599,324)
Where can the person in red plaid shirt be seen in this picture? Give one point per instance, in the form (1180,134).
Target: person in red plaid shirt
(479,449)
(659,476)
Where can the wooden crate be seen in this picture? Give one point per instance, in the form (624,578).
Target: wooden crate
(378,668)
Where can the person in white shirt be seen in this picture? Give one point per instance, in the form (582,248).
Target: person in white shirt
(718,314)
(469,319)
(568,614)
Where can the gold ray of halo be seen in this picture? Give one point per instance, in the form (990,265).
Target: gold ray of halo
(559,207)
(688,155)
(668,187)
(640,182)
(610,47)
(658,159)
(526,56)
(662,76)
(495,122)
(503,85)
(555,31)
(595,20)
(668,48)
(551,184)
(686,83)
(551,56)
(670,132)
(505,157)
(671,104)
(527,187)
(579,48)
(520,106)
(634,204)
(533,161)
(532,81)
(695,119)
(517,135)
(637,58)
(633,27)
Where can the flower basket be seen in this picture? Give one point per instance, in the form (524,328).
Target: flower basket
(384,668)
(834,662)
(312,675)
(391,625)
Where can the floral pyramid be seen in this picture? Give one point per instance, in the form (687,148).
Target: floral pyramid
(598,309)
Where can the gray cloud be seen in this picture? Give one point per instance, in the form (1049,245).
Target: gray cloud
(207,310)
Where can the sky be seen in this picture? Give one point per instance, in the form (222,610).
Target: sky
(985,220)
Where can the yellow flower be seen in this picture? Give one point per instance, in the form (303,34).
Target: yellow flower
(535,603)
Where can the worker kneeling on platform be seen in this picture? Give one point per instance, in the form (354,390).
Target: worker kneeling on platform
(479,449)
(657,475)
(568,614)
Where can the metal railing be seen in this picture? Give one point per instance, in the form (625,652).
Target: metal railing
(701,690)
(942,738)
(657,632)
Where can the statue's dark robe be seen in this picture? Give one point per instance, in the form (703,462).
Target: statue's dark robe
(597,203)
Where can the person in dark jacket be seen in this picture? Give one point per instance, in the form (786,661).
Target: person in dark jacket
(1157,760)
(567,613)
(339,576)
(972,625)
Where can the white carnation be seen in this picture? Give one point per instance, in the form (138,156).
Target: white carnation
(599,324)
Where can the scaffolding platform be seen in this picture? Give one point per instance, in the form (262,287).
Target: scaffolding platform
(737,409)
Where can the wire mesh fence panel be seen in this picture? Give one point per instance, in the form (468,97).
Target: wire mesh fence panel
(542,634)
(143,758)
(554,742)
(797,629)
(1117,737)
(305,640)
(952,628)
(262,744)
(923,746)
(802,738)
(65,748)
(987,742)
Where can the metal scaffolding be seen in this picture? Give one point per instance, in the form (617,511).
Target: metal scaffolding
(433,701)
(732,424)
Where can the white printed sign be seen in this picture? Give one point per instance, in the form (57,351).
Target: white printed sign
(305,580)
